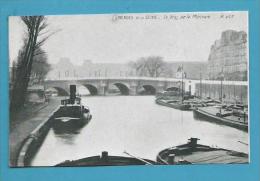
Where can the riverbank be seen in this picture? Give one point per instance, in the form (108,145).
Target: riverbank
(25,122)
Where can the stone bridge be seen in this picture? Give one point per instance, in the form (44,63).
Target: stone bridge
(230,90)
(126,85)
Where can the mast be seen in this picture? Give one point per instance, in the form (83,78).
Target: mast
(234,87)
(182,83)
(200,84)
(221,85)
(209,85)
(221,90)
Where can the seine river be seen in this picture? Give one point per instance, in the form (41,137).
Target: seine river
(137,125)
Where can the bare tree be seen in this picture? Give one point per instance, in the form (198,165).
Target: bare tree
(36,28)
(155,66)
(152,66)
(40,68)
(139,66)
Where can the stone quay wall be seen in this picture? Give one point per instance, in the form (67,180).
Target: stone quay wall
(32,143)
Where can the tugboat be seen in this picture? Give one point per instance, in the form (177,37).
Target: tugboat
(194,153)
(71,114)
(106,160)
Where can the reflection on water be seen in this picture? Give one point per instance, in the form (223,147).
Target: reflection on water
(65,137)
(64,131)
(136,125)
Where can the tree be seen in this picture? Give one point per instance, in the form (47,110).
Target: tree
(139,66)
(152,66)
(155,66)
(32,42)
(40,68)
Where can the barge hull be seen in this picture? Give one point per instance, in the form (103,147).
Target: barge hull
(180,107)
(212,118)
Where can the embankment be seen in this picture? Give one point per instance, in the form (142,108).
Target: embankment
(31,144)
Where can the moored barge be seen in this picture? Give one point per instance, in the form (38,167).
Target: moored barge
(106,160)
(225,117)
(176,104)
(194,153)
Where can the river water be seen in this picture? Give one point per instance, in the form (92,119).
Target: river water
(137,125)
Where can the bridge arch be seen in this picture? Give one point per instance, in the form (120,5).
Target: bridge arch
(61,91)
(91,88)
(149,89)
(123,88)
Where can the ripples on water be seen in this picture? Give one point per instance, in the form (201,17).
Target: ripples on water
(137,125)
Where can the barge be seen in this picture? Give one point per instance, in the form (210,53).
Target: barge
(225,117)
(176,104)
(194,153)
(107,160)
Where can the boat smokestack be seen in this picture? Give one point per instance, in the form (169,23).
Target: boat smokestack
(193,142)
(104,156)
(72,94)
(171,159)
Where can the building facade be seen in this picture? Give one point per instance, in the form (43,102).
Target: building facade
(228,57)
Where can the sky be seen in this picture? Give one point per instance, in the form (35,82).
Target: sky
(120,38)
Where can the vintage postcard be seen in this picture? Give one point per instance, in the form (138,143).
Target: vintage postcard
(129,89)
